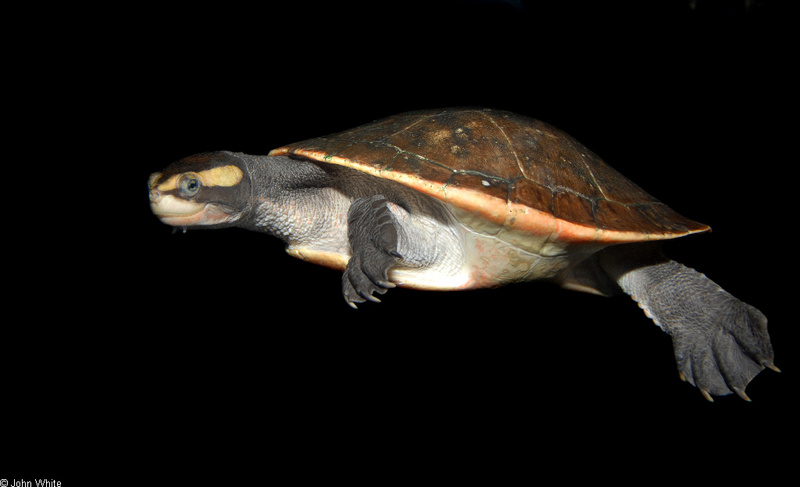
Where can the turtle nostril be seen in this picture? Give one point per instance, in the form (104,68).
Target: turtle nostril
(154,195)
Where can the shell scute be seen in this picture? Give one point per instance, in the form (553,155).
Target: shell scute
(527,192)
(575,208)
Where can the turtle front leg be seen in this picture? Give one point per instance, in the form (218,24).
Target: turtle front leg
(372,233)
(720,343)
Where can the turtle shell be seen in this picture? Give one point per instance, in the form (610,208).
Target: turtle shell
(507,169)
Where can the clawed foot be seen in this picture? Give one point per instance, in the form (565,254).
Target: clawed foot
(361,280)
(728,359)
(373,240)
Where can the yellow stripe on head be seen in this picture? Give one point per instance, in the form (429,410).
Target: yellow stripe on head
(221,176)
(225,176)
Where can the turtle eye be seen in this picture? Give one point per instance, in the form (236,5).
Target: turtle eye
(189,185)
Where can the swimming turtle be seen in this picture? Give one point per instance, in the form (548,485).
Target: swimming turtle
(467,198)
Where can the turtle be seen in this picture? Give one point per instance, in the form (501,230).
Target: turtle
(467,198)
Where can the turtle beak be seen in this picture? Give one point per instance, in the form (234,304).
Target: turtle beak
(178,212)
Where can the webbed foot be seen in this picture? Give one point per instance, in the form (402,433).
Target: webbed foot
(720,343)
(372,233)
(724,354)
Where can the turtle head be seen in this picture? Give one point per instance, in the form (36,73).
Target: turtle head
(211,189)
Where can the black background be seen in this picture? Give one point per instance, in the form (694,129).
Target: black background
(216,349)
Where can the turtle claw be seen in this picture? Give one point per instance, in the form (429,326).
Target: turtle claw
(739,392)
(351,301)
(771,366)
(704,392)
(358,287)
(370,297)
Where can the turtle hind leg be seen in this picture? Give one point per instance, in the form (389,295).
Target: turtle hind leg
(720,343)
(372,233)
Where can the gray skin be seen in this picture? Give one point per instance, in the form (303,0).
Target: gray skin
(383,229)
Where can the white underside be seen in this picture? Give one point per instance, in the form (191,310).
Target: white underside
(480,261)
